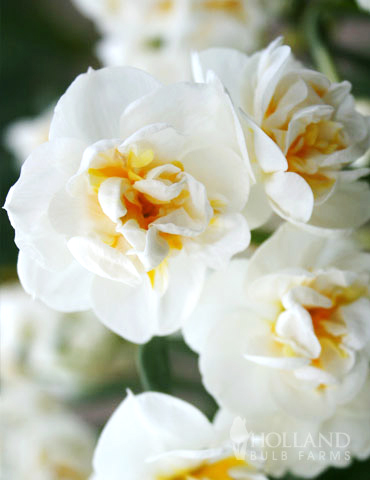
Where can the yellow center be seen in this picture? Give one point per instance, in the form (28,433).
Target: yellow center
(140,207)
(319,315)
(219,470)
(323,137)
(310,142)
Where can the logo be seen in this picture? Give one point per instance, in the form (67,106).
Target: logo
(284,446)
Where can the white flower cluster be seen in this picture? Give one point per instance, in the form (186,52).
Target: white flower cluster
(158,35)
(54,444)
(143,190)
(66,353)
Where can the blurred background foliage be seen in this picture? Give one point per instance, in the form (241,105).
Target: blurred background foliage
(45,44)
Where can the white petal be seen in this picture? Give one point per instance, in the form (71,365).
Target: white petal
(261,148)
(258,209)
(67,214)
(222,172)
(67,290)
(347,207)
(305,403)
(354,381)
(272,288)
(192,219)
(91,107)
(228,64)
(236,383)
(164,140)
(222,290)
(280,363)
(110,198)
(138,313)
(185,282)
(145,425)
(131,312)
(225,236)
(295,327)
(201,110)
(263,350)
(27,203)
(103,260)
(356,316)
(296,249)
(273,62)
(148,245)
(315,376)
(160,190)
(290,195)
(306,296)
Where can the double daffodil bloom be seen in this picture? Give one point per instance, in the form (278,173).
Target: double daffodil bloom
(284,339)
(139,189)
(302,133)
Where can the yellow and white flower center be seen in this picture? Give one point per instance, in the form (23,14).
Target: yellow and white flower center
(136,205)
(321,136)
(145,208)
(219,470)
(311,332)
(133,169)
(328,324)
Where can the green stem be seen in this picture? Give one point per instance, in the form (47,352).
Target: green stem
(154,366)
(312,22)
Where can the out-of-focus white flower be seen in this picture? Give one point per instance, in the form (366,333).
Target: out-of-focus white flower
(53,443)
(288,334)
(158,35)
(363,106)
(301,132)
(156,436)
(24,135)
(139,189)
(64,352)
(365,4)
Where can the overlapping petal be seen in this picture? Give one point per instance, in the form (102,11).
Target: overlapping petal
(139,190)
(301,132)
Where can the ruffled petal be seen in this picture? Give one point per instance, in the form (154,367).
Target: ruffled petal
(27,204)
(221,291)
(291,196)
(91,107)
(67,290)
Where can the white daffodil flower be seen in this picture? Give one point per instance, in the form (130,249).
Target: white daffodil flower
(158,35)
(288,334)
(301,132)
(62,351)
(42,440)
(139,189)
(23,136)
(159,437)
